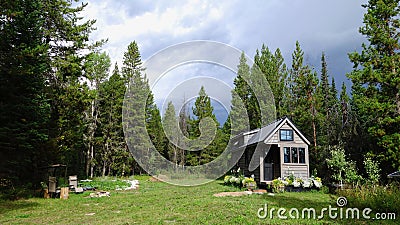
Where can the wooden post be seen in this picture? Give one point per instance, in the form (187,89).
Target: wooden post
(64,193)
(46,193)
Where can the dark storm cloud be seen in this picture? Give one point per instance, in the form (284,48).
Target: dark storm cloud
(319,26)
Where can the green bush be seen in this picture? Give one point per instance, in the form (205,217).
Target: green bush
(378,198)
(16,193)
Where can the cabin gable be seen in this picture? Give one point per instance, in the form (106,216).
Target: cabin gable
(286,125)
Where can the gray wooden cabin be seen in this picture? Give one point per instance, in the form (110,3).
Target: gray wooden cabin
(276,150)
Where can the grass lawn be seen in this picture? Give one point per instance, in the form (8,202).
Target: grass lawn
(160,203)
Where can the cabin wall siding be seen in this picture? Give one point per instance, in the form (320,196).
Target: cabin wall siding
(296,169)
(274,139)
(243,164)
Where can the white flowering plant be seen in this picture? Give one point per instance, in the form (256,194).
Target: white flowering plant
(306,184)
(296,182)
(317,182)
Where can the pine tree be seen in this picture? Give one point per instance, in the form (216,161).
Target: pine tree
(303,87)
(143,121)
(261,105)
(376,83)
(184,127)
(171,127)
(154,126)
(132,63)
(239,118)
(335,114)
(24,107)
(324,87)
(67,35)
(202,128)
(345,106)
(112,94)
(274,69)
(328,113)
(323,98)
(134,108)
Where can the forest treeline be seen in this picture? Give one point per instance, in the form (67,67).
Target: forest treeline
(62,100)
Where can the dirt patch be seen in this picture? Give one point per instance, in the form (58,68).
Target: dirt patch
(153,179)
(158,178)
(240,193)
(260,191)
(234,194)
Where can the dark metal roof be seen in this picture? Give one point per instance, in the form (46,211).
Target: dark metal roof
(264,132)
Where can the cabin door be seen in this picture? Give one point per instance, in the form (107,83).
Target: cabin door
(268,171)
(269,161)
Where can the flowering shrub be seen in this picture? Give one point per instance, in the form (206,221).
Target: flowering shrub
(317,182)
(306,184)
(240,181)
(279,184)
(296,183)
(227,179)
(249,182)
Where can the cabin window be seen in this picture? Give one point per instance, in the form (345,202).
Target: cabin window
(286,135)
(302,155)
(294,155)
(286,154)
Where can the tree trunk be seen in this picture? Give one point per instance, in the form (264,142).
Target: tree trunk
(398,102)
(87,162)
(104,169)
(92,129)
(176,157)
(312,109)
(314,133)
(91,160)
(182,157)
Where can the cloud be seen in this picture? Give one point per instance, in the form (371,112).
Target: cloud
(329,26)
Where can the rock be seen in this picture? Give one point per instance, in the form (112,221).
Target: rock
(134,184)
(79,190)
(100,194)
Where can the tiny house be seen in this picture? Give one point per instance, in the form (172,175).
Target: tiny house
(276,150)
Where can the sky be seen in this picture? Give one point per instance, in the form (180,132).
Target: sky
(319,25)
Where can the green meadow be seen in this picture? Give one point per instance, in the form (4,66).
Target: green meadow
(161,203)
